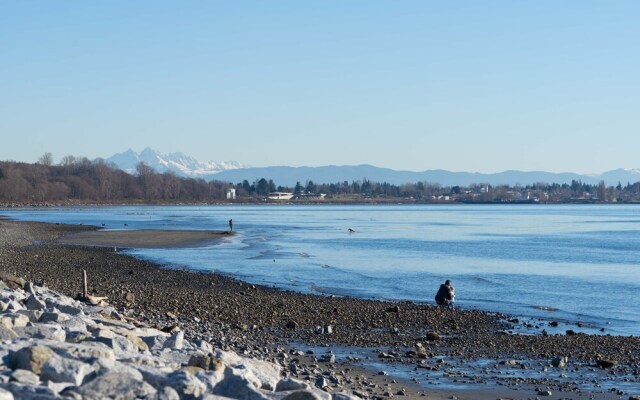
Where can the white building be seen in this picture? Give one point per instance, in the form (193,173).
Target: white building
(231,194)
(280,196)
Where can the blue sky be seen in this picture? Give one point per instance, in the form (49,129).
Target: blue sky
(461,85)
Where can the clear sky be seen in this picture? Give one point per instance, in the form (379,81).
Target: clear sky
(460,85)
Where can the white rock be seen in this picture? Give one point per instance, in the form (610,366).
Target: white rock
(211,378)
(14,320)
(74,324)
(149,332)
(27,392)
(7,333)
(176,341)
(110,323)
(14,305)
(263,374)
(5,395)
(174,357)
(186,384)
(30,358)
(43,331)
(104,333)
(86,351)
(343,396)
(237,386)
(24,376)
(155,343)
(137,341)
(288,384)
(116,386)
(307,395)
(156,377)
(58,387)
(203,345)
(120,345)
(146,360)
(121,368)
(168,393)
(59,369)
(33,315)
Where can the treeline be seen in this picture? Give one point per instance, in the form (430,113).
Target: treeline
(79,179)
(576,191)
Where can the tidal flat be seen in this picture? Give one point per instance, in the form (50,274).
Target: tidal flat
(370,348)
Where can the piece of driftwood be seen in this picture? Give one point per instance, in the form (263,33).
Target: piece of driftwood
(86,297)
(96,300)
(85,291)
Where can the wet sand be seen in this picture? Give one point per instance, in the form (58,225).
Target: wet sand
(143,239)
(474,355)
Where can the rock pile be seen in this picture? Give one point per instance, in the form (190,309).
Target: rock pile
(54,347)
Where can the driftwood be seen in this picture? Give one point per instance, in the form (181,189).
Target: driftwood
(96,300)
(86,297)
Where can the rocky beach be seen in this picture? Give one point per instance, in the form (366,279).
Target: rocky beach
(330,345)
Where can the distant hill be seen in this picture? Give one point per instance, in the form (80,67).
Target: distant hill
(232,171)
(288,176)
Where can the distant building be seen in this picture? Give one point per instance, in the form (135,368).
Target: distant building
(280,196)
(231,194)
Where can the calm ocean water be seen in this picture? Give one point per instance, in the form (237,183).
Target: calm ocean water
(573,263)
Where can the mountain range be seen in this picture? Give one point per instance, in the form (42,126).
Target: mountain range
(232,171)
(178,163)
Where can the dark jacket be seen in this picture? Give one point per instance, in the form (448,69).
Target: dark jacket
(445,295)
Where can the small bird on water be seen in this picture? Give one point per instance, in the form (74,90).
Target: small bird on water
(351,230)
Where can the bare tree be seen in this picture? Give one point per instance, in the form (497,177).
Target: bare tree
(46,159)
(68,160)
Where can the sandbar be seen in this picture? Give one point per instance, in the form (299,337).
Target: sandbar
(144,239)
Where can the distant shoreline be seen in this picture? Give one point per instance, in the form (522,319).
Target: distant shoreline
(14,205)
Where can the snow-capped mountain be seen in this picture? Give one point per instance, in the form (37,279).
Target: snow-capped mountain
(178,163)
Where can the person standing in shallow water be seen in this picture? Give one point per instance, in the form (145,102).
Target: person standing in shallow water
(231,225)
(446,294)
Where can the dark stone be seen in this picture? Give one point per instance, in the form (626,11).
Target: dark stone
(292,324)
(606,363)
(432,336)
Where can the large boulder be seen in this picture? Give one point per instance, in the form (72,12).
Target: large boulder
(186,384)
(262,374)
(120,344)
(175,341)
(25,377)
(7,333)
(43,331)
(236,385)
(32,303)
(116,386)
(88,352)
(59,369)
(30,358)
